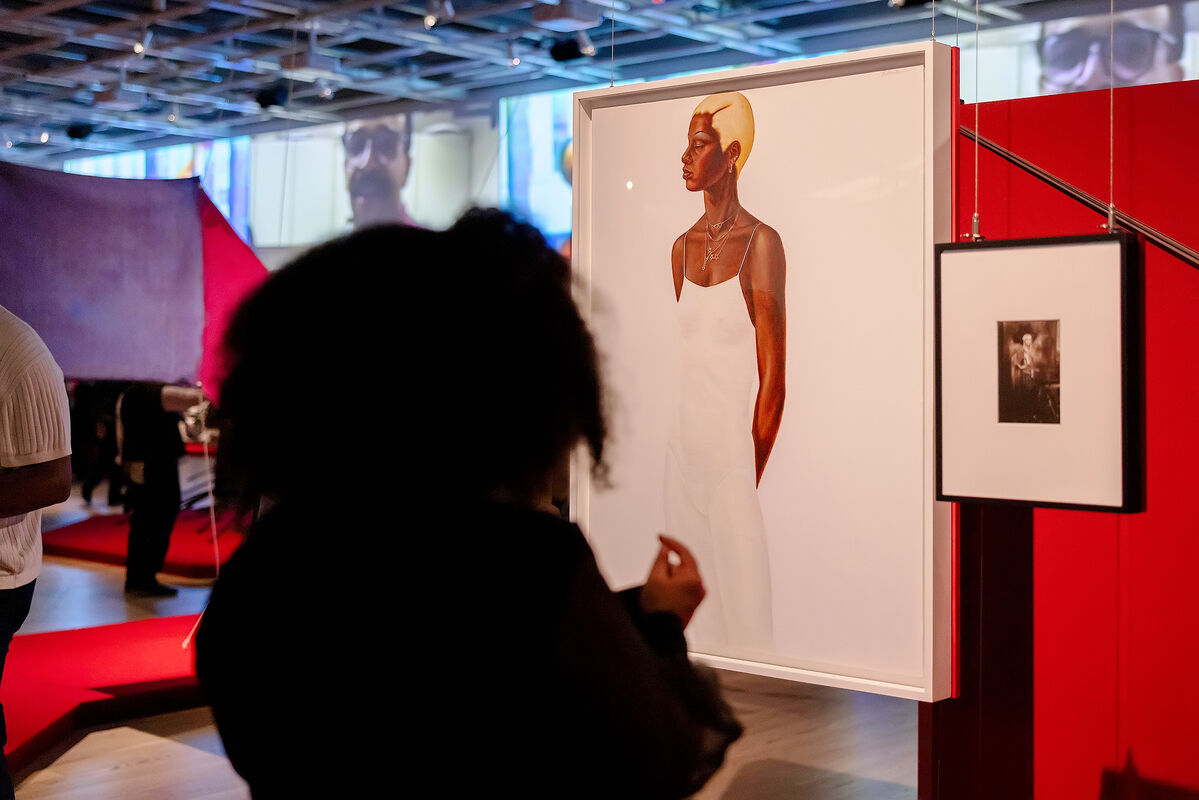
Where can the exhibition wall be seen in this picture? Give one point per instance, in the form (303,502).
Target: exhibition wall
(1115,606)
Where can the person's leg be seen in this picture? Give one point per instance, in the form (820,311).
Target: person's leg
(14,607)
(168,512)
(155,508)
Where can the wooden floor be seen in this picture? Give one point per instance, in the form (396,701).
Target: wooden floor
(802,742)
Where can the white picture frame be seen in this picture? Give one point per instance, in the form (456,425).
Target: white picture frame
(852,166)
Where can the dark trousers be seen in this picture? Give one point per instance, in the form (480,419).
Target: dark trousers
(14,607)
(154,507)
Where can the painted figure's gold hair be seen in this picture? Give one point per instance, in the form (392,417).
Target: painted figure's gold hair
(733,119)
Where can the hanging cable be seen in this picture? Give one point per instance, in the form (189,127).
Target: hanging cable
(974,223)
(1111,118)
(612,50)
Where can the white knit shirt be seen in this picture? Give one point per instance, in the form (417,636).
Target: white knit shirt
(35,426)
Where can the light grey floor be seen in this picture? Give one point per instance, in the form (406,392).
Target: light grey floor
(802,742)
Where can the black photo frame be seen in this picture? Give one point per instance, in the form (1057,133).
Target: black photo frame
(1039,372)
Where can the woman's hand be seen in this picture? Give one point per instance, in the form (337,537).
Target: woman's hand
(674,587)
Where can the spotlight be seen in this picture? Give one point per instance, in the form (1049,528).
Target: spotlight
(513,58)
(45,137)
(78,130)
(141,47)
(7,142)
(325,90)
(586,46)
(271,96)
(438,11)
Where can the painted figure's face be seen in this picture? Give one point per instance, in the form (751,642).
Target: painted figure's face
(1093,53)
(1027,339)
(703,160)
(376,169)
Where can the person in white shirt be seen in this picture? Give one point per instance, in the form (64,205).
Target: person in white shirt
(35,472)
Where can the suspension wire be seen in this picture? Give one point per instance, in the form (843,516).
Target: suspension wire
(612,50)
(934,17)
(286,147)
(1111,118)
(974,224)
(216,552)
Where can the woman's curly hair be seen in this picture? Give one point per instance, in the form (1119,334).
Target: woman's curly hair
(458,357)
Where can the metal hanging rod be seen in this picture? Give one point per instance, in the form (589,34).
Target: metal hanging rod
(1156,237)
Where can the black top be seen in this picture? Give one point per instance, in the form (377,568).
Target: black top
(150,433)
(480,649)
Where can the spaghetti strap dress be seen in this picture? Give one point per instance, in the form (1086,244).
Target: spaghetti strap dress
(711,492)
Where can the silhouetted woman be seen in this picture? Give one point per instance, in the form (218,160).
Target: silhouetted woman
(456,631)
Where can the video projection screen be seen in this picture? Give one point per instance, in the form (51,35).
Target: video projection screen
(765,309)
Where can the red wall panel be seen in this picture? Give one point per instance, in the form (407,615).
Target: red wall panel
(1116,617)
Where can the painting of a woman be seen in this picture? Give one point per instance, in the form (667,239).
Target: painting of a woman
(729,273)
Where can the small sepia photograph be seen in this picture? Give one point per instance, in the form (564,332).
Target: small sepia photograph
(1030,372)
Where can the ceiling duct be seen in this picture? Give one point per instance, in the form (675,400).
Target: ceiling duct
(309,65)
(566,17)
(118,98)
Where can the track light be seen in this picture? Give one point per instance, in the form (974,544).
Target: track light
(513,58)
(7,142)
(45,137)
(141,47)
(324,89)
(438,11)
(586,46)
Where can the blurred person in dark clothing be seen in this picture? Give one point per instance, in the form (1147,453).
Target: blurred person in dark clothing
(94,434)
(151,446)
(458,608)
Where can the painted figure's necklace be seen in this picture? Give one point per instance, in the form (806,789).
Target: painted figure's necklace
(715,241)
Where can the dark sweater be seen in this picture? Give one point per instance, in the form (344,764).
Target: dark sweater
(480,649)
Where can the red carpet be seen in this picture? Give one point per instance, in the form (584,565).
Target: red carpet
(55,682)
(103,538)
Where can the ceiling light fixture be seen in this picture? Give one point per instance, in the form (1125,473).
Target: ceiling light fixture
(513,58)
(586,46)
(45,137)
(325,90)
(141,47)
(438,11)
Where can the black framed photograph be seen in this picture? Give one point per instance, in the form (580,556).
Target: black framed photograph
(1039,378)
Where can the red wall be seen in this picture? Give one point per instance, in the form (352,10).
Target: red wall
(1116,597)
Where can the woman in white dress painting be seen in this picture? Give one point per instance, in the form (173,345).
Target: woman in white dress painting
(729,278)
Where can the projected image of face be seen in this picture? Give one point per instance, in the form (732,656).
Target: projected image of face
(1137,47)
(377,163)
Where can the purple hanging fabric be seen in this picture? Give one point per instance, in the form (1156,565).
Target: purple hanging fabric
(108,271)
